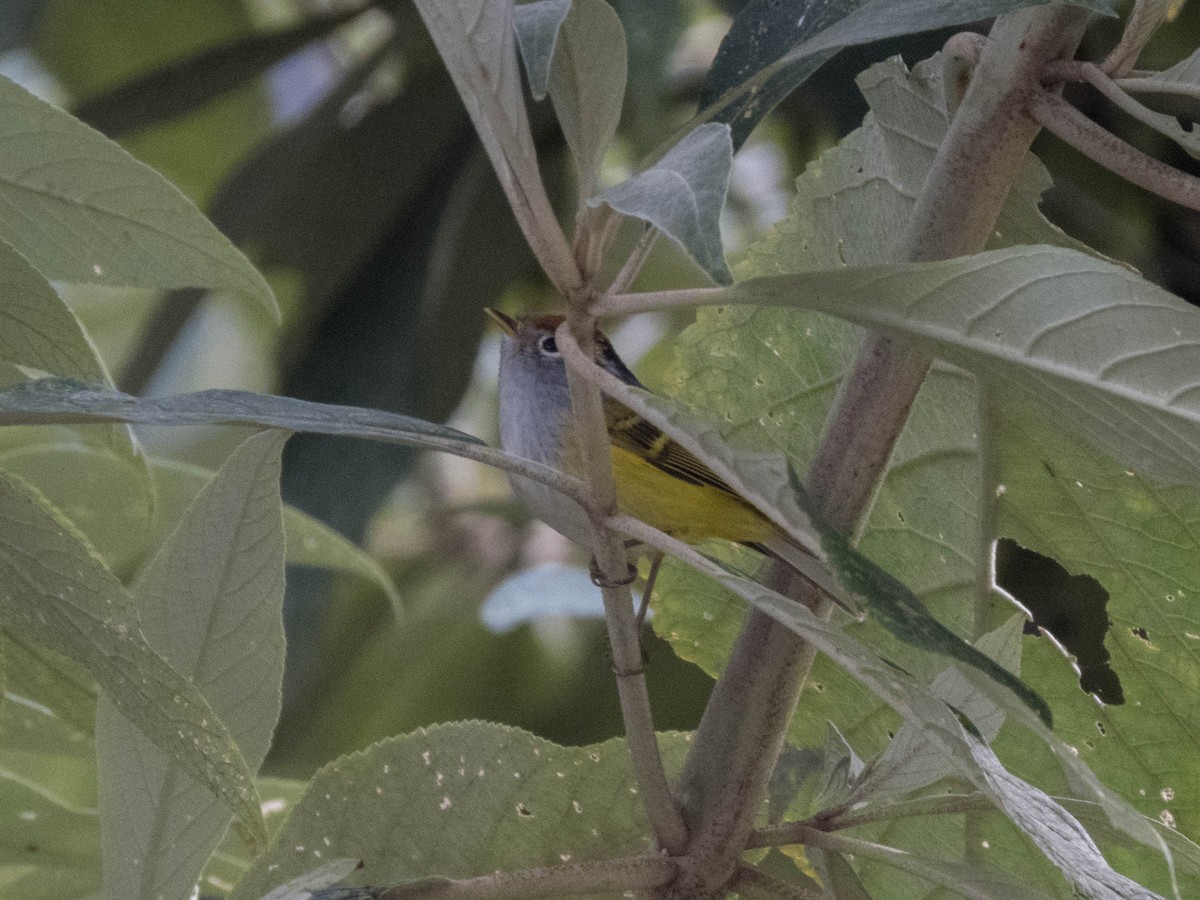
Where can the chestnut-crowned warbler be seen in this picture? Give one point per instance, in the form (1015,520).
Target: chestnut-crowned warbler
(657,480)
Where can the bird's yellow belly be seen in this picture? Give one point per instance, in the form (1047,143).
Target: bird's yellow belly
(690,512)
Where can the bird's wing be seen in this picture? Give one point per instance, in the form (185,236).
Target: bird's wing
(629,431)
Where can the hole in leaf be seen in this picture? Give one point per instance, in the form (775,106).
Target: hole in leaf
(523,811)
(1073,608)
(1140,633)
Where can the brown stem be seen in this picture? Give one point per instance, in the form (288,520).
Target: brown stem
(1064,121)
(612,565)
(739,737)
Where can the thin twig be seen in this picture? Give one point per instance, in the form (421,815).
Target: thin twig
(635,261)
(937,805)
(753,882)
(1064,121)
(612,563)
(616,304)
(960,56)
(1168,126)
(1143,21)
(635,873)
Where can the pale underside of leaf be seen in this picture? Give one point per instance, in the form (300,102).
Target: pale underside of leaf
(1090,340)
(587,84)
(60,595)
(682,194)
(211,601)
(80,208)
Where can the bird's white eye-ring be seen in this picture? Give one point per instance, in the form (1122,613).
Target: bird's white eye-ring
(548,345)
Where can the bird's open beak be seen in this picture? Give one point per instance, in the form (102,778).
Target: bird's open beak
(506,322)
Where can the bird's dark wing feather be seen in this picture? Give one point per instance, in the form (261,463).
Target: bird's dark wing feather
(629,431)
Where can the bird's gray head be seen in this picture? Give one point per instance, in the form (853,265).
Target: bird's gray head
(534,399)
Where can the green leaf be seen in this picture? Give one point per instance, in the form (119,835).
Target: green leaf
(460,800)
(1096,344)
(1062,498)
(773,47)
(100,492)
(587,85)
(303,886)
(231,859)
(80,208)
(538,27)
(50,842)
(50,680)
(59,594)
(211,601)
(1055,831)
(63,400)
(903,614)
(103,493)
(39,331)
(683,194)
(308,542)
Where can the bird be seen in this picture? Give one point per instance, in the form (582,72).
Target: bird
(657,480)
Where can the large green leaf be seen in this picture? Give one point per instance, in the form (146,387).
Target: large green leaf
(460,800)
(1139,539)
(1092,342)
(80,208)
(770,376)
(59,594)
(211,601)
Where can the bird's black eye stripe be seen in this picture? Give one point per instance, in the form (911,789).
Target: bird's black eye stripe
(548,345)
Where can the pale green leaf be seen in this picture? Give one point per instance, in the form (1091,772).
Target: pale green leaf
(61,400)
(538,27)
(211,601)
(50,838)
(309,542)
(60,595)
(683,194)
(1141,540)
(1055,831)
(100,493)
(50,680)
(231,859)
(587,84)
(461,800)
(80,208)
(1093,342)
(39,331)
(303,886)
(476,39)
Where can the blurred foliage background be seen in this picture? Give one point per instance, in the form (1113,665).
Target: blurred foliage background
(327,141)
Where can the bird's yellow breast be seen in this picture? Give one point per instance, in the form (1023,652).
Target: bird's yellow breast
(690,512)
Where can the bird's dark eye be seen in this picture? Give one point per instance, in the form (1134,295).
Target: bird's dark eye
(548,345)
